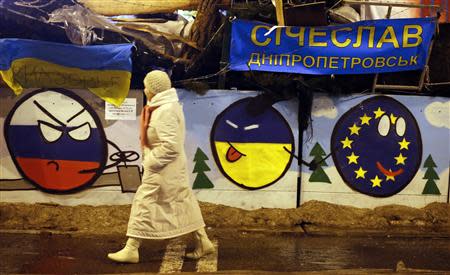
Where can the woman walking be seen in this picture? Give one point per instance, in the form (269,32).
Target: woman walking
(164,206)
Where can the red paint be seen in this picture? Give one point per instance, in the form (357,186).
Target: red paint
(233,154)
(57,175)
(389,173)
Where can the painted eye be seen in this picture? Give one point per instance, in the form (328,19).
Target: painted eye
(384,125)
(82,132)
(50,132)
(251,127)
(400,126)
(231,124)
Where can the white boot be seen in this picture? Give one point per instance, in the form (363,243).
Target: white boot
(128,254)
(203,246)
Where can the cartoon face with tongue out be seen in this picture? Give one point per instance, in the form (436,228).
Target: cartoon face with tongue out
(377,146)
(251,150)
(56,140)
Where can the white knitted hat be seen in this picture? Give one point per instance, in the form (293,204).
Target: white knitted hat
(157,81)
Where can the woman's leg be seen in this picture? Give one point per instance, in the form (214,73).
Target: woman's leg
(128,254)
(203,245)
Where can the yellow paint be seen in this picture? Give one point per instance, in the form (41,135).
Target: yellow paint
(336,42)
(253,36)
(111,85)
(361,173)
(365,119)
(417,36)
(404,144)
(400,159)
(376,182)
(393,118)
(392,178)
(353,158)
(378,113)
(262,164)
(388,37)
(346,143)
(354,130)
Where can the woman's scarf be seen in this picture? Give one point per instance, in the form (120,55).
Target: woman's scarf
(161,98)
(145,119)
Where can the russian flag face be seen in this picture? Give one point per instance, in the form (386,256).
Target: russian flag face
(56,140)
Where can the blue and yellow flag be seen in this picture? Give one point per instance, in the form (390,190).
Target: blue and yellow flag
(364,47)
(103,69)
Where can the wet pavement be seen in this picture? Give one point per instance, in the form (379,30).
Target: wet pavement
(47,253)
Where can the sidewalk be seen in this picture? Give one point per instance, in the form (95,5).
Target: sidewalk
(313,218)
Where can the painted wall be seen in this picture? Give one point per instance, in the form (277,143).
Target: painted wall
(378,150)
(235,159)
(368,150)
(58,147)
(242,155)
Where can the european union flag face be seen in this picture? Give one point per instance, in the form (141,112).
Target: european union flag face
(377,146)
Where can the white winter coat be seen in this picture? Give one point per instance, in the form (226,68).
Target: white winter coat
(164,205)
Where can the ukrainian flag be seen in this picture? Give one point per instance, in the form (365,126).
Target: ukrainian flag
(103,69)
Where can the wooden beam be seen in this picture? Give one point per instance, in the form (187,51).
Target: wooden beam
(123,7)
(280,12)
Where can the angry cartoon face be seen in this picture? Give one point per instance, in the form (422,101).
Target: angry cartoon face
(377,146)
(56,140)
(251,150)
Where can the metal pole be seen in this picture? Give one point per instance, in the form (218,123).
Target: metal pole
(448,189)
(300,154)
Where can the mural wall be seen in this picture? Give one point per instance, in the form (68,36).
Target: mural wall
(69,147)
(242,154)
(377,150)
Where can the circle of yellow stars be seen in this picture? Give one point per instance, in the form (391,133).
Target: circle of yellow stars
(353,159)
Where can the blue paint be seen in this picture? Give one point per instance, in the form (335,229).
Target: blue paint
(371,147)
(272,127)
(27,141)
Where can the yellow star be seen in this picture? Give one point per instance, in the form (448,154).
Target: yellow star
(390,177)
(393,118)
(354,129)
(400,159)
(353,158)
(346,143)
(376,181)
(404,144)
(360,173)
(365,119)
(378,113)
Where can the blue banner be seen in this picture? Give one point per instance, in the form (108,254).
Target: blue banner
(365,47)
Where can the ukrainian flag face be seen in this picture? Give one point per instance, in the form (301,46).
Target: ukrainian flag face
(56,140)
(251,151)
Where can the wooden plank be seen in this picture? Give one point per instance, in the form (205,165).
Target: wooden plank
(122,7)
(280,12)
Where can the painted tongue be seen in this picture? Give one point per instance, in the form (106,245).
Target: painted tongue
(233,155)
